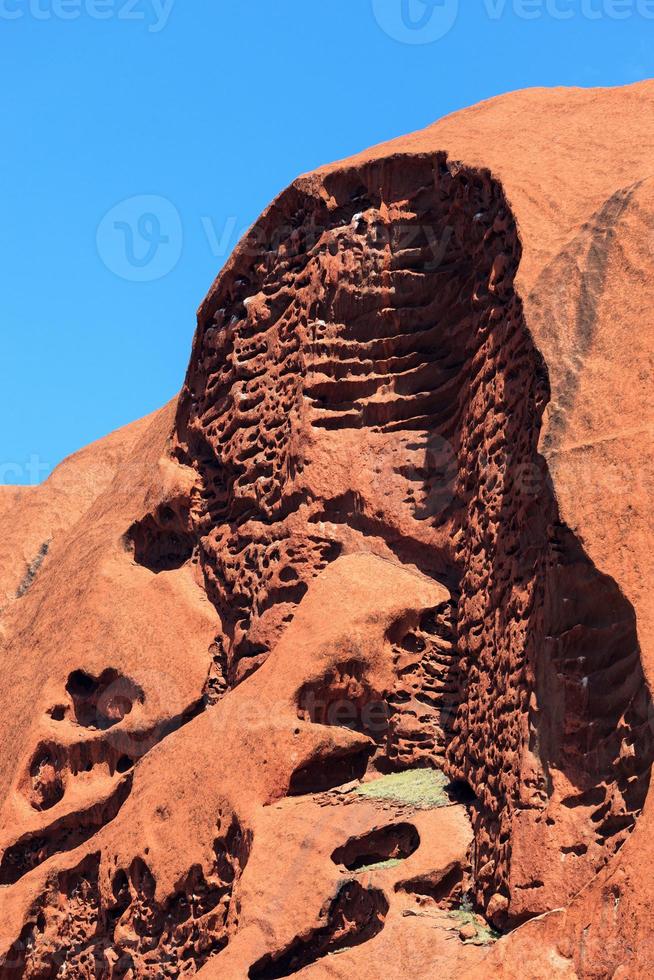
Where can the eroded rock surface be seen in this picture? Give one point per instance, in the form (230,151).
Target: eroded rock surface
(348,650)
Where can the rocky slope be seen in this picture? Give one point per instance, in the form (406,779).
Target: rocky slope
(339,665)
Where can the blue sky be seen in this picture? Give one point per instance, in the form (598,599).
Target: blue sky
(141,137)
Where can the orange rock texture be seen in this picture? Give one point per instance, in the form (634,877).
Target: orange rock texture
(339,664)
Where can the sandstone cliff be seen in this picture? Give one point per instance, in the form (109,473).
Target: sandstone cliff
(348,650)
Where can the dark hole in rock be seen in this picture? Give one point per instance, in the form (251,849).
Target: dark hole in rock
(104,701)
(578,849)
(324,773)
(397,841)
(81,685)
(461,792)
(161,541)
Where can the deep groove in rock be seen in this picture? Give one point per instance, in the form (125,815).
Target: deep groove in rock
(355,916)
(33,570)
(64,834)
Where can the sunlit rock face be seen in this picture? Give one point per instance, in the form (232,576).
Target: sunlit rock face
(346,651)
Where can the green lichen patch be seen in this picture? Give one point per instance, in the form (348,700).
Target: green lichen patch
(422,789)
(380,865)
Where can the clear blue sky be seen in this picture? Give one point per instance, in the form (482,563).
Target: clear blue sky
(203,110)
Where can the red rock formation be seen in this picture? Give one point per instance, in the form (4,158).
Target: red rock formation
(356,637)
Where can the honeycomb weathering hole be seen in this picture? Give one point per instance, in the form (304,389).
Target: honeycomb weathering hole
(395,842)
(162,541)
(102,702)
(76,929)
(380,309)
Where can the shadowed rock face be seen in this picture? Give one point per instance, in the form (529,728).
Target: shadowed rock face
(365,674)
